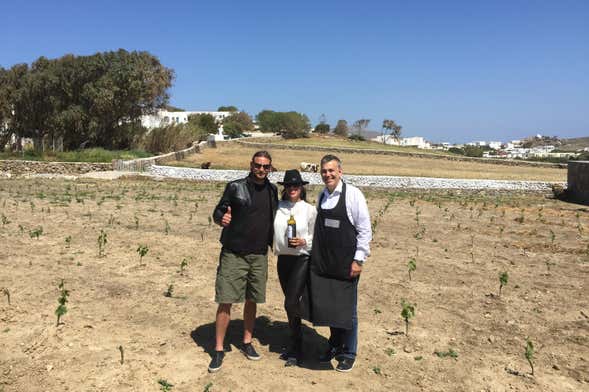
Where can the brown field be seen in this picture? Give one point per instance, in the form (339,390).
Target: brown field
(461,244)
(235,156)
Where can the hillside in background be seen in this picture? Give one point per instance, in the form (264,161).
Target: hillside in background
(574,144)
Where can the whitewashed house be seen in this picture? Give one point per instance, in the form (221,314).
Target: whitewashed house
(415,141)
(163,118)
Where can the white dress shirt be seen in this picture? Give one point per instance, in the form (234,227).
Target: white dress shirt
(358,214)
(304,214)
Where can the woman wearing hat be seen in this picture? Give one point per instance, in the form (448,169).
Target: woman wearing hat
(293,254)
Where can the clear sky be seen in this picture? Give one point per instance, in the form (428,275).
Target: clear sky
(447,70)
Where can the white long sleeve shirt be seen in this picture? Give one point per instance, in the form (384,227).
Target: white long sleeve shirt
(357,211)
(305,215)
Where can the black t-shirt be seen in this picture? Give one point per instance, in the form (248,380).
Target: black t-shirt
(259,222)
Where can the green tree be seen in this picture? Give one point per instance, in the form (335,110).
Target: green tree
(294,125)
(5,108)
(172,138)
(288,124)
(341,129)
(394,130)
(360,126)
(268,121)
(322,128)
(171,108)
(237,124)
(204,121)
(230,108)
(92,100)
(473,151)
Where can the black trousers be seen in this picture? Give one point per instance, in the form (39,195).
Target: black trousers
(293,274)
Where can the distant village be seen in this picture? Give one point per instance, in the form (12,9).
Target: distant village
(539,147)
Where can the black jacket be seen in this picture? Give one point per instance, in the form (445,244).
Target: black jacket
(238,195)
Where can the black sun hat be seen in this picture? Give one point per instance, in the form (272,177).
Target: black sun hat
(293,177)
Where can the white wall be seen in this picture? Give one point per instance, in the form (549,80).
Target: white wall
(163,118)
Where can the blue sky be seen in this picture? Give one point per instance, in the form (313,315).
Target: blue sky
(447,70)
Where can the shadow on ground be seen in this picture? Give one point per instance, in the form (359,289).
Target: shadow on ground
(274,334)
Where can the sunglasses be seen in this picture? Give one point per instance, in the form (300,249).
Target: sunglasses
(260,166)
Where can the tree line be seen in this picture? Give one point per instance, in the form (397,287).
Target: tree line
(75,102)
(78,101)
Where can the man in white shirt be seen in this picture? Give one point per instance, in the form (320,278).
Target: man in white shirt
(340,246)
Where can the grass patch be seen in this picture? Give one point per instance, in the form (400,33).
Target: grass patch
(87,155)
(339,142)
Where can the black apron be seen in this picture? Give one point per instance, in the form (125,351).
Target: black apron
(332,292)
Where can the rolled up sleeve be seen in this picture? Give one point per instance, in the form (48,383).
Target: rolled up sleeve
(361,220)
(312,216)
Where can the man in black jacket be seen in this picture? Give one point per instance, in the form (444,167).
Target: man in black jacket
(246,212)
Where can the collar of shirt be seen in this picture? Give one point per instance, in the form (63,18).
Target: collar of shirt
(287,206)
(336,192)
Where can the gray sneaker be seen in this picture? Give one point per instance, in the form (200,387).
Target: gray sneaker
(250,352)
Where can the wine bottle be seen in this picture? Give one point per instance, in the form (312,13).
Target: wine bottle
(291,229)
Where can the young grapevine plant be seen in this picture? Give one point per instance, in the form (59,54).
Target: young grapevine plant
(183,266)
(6,292)
(62,300)
(411,266)
(503,279)
(102,240)
(142,250)
(407,312)
(529,353)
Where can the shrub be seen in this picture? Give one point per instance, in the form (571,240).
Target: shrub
(357,138)
(472,151)
(172,138)
(322,128)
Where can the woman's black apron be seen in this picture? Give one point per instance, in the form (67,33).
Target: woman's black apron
(332,292)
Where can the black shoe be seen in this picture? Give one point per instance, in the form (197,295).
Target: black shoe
(291,361)
(331,353)
(293,350)
(345,365)
(216,362)
(250,352)
(292,357)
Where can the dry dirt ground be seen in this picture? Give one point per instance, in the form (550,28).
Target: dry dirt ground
(230,155)
(461,244)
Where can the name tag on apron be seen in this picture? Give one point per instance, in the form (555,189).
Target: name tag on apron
(334,223)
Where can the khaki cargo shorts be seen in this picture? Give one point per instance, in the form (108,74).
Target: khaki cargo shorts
(241,277)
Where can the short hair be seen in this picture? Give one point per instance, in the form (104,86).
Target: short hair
(262,153)
(329,158)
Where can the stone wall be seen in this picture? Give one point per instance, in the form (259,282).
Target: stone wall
(578,182)
(19,167)
(507,162)
(142,164)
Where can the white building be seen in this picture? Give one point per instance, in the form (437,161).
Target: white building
(163,118)
(415,141)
